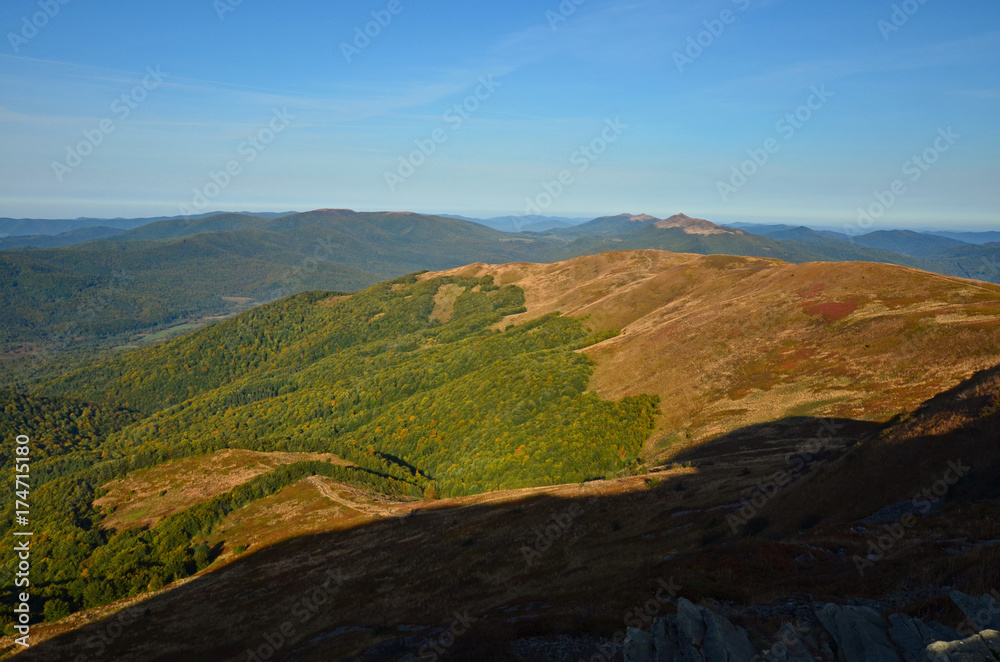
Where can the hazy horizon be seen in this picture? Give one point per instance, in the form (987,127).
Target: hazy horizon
(730,219)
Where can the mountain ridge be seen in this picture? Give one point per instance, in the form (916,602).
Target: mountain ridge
(189,271)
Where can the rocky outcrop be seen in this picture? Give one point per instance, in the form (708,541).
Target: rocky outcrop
(859,632)
(694,634)
(912,636)
(826,631)
(982,647)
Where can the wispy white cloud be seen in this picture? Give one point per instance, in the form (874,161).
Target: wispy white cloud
(344,103)
(8,116)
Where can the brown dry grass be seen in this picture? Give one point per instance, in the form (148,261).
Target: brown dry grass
(144,497)
(444,302)
(329,301)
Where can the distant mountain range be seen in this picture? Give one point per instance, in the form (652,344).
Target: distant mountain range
(771,228)
(68,238)
(972,237)
(37,229)
(48,233)
(168,272)
(907,242)
(948,253)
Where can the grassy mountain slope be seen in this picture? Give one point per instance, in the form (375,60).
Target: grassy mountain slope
(956,428)
(730,341)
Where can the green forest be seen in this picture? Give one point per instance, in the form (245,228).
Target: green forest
(419,405)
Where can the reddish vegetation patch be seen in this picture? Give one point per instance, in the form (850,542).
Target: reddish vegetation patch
(792,358)
(833,311)
(812,291)
(761,380)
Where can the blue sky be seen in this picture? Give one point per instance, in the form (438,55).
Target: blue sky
(558,79)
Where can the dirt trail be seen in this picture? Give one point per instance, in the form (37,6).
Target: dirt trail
(330,493)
